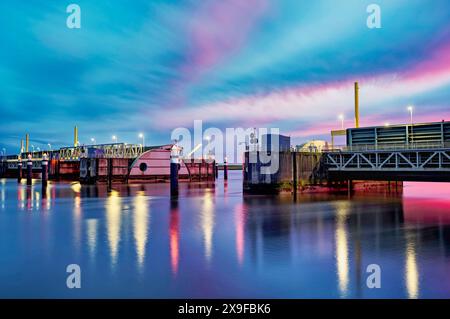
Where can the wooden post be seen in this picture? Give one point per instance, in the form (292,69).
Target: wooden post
(294,172)
(110,173)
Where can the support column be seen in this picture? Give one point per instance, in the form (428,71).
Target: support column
(19,170)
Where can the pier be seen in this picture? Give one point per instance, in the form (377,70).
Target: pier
(104,163)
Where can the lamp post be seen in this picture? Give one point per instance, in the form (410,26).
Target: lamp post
(92,140)
(49,146)
(341,118)
(114,138)
(410,110)
(411,135)
(142,137)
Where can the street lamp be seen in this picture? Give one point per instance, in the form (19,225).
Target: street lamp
(92,140)
(142,136)
(114,138)
(32,146)
(49,146)
(410,110)
(341,117)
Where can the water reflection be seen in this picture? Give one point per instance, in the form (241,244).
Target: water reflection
(207,224)
(318,246)
(3,191)
(141,223)
(240,226)
(76,188)
(174,234)
(92,225)
(411,269)
(341,240)
(113,224)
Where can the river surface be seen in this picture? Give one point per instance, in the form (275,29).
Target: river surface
(134,242)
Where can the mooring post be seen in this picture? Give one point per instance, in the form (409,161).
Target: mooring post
(174,164)
(225,169)
(349,187)
(294,172)
(44,166)
(19,170)
(110,172)
(216,169)
(29,169)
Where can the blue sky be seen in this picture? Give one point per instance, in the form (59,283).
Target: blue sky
(152,66)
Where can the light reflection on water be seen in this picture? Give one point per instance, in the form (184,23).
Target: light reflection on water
(213,242)
(341,240)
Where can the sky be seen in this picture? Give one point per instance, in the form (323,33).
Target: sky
(153,66)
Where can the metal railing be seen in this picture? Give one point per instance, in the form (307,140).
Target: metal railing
(389,147)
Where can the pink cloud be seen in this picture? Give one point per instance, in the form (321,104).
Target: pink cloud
(322,103)
(219,29)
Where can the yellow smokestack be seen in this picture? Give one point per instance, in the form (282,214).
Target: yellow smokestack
(75,136)
(27,142)
(356,105)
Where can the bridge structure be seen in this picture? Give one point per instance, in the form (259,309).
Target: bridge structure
(408,152)
(393,163)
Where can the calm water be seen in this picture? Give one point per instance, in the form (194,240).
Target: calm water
(214,242)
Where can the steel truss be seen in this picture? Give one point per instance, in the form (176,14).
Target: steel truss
(119,150)
(395,160)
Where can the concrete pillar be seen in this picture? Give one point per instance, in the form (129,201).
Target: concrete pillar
(174,164)
(225,169)
(29,169)
(19,170)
